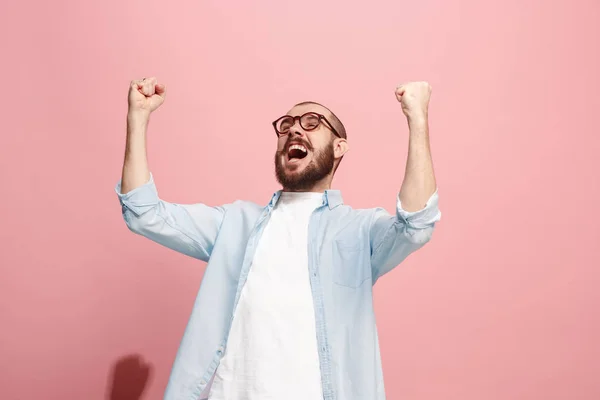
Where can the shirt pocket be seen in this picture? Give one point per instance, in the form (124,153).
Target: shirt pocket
(350,264)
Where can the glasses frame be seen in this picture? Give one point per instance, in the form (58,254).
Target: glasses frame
(299,118)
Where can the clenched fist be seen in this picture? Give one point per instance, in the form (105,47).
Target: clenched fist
(145,95)
(414,98)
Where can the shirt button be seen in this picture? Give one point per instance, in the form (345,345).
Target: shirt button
(203,382)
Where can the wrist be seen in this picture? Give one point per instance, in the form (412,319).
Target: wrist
(137,122)
(417,120)
(138,116)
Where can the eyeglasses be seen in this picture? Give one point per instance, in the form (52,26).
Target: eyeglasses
(308,121)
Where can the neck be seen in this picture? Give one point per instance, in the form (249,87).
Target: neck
(318,187)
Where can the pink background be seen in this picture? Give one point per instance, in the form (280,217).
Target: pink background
(502,304)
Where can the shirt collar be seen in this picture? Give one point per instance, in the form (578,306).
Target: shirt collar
(331,198)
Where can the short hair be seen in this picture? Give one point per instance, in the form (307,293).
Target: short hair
(337,124)
(339,127)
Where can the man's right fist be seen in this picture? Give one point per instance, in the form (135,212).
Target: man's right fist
(146,95)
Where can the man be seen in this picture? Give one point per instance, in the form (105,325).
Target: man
(285,308)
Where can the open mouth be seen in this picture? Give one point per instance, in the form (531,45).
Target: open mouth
(296,152)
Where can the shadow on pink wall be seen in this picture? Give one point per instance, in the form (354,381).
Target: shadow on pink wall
(128,379)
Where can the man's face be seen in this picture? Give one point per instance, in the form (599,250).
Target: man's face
(304,158)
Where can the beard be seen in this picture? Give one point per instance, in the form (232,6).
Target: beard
(319,167)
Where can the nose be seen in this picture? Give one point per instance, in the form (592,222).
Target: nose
(296,129)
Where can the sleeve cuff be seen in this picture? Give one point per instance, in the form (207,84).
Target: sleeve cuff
(422,218)
(140,199)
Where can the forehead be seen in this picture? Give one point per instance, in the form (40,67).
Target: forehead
(304,108)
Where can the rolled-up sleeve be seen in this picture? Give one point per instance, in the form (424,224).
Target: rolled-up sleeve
(190,229)
(138,200)
(395,237)
(423,218)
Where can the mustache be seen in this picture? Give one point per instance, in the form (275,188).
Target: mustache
(297,141)
(284,151)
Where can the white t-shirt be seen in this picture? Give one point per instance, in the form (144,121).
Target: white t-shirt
(272,347)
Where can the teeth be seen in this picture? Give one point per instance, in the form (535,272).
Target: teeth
(298,147)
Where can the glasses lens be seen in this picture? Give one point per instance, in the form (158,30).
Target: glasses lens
(309,121)
(284,124)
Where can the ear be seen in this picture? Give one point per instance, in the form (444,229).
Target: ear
(340,147)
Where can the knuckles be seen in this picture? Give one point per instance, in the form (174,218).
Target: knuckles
(414,88)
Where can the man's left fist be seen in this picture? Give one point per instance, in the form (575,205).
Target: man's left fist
(414,97)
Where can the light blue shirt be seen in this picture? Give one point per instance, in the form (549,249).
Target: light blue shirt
(348,250)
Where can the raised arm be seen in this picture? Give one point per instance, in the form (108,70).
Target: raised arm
(394,237)
(190,229)
(145,96)
(419,180)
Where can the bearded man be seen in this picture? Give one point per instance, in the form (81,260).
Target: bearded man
(285,308)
